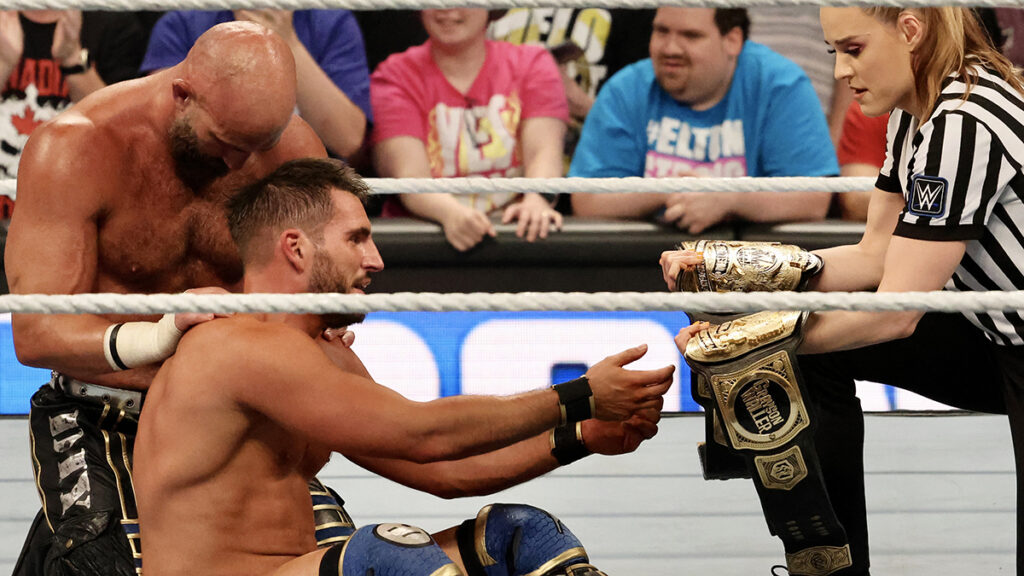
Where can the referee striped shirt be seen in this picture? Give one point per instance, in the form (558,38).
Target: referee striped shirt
(960,173)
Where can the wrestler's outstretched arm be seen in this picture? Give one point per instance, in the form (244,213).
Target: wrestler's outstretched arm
(503,468)
(277,371)
(507,467)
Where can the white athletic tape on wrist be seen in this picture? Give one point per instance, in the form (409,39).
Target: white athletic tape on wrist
(133,344)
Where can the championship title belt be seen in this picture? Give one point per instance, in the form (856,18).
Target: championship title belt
(749,375)
(735,266)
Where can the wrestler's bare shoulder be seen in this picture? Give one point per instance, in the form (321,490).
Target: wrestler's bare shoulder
(298,141)
(245,346)
(97,143)
(114,116)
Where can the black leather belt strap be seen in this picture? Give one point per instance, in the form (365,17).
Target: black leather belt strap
(128,400)
(753,392)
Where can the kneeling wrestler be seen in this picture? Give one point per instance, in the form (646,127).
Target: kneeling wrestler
(251,407)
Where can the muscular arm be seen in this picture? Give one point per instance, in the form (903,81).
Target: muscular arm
(500,469)
(279,372)
(274,370)
(52,249)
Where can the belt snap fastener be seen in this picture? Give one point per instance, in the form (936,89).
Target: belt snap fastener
(83,391)
(106,398)
(130,403)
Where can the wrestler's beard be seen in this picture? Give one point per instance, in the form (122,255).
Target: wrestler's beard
(195,169)
(325,278)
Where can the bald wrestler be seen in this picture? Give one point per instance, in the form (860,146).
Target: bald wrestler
(125,192)
(251,406)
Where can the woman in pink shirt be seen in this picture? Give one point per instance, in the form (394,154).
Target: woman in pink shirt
(461,105)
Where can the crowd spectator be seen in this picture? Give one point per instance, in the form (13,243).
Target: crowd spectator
(591,44)
(463,105)
(861,152)
(50,59)
(794,32)
(387,32)
(333,80)
(708,102)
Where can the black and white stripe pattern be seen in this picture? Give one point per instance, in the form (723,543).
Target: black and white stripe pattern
(968,156)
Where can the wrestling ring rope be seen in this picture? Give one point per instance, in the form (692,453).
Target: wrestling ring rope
(574,301)
(527,301)
(122,5)
(595,185)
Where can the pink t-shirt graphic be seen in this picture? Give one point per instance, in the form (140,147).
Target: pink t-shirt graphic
(471,134)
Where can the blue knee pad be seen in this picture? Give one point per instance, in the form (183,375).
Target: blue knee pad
(519,540)
(387,550)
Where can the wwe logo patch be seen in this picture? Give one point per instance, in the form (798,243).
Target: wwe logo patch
(928,197)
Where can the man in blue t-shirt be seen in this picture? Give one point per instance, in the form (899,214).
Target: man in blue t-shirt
(330,61)
(707,103)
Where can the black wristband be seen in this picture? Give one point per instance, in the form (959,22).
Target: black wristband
(567,443)
(73,70)
(576,400)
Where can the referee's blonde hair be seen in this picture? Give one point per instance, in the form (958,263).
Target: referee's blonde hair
(953,40)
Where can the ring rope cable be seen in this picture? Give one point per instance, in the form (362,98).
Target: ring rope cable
(106,303)
(132,5)
(595,185)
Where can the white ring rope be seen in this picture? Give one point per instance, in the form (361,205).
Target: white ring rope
(128,5)
(527,301)
(595,185)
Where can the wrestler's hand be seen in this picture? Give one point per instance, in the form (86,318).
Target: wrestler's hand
(613,438)
(280,21)
(342,336)
(620,393)
(12,39)
(67,38)
(185,321)
(465,227)
(687,332)
(337,344)
(695,212)
(674,262)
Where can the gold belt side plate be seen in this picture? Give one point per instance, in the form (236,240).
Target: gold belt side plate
(781,471)
(737,337)
(819,560)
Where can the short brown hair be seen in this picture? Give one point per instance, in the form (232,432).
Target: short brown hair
(728,18)
(295,195)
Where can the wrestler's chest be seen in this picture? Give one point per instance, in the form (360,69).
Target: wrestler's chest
(154,250)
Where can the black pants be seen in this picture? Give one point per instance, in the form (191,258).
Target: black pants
(948,360)
(82,459)
(81,456)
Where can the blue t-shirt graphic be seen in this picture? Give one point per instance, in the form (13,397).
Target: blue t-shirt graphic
(769,123)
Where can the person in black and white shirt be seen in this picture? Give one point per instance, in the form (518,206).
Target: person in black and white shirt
(946,214)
